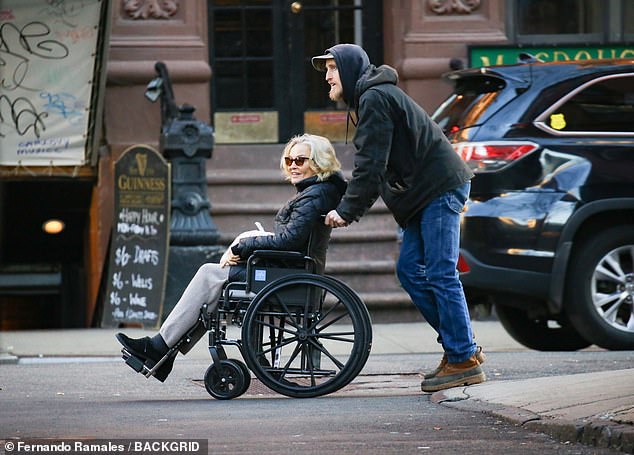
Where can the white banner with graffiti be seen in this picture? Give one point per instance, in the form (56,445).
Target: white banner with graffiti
(48,50)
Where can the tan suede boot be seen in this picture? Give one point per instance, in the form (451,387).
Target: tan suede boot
(455,374)
(479,354)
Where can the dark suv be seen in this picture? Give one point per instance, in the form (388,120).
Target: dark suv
(548,232)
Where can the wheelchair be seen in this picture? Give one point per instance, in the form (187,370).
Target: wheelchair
(303,334)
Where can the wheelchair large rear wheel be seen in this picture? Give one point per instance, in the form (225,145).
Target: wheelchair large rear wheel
(306,335)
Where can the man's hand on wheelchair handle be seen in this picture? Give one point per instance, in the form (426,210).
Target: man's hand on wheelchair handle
(333,219)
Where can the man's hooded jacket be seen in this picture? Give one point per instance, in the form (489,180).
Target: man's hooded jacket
(402,155)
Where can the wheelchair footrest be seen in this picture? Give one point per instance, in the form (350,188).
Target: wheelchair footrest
(135,363)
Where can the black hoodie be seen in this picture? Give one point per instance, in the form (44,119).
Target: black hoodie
(402,155)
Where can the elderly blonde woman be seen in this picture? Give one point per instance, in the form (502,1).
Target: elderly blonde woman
(309,162)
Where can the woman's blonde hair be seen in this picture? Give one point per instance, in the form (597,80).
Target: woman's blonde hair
(323,159)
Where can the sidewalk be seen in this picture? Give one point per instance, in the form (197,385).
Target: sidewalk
(596,409)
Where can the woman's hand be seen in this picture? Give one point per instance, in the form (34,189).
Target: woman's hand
(229,259)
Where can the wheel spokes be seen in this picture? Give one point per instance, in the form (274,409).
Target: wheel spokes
(609,273)
(324,343)
(612,287)
(327,353)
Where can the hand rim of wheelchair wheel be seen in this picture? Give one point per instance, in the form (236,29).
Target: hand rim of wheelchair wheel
(302,339)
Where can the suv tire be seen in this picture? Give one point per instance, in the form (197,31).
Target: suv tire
(604,265)
(535,333)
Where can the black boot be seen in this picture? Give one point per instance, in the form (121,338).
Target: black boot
(165,369)
(150,350)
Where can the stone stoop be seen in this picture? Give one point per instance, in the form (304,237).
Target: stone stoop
(245,185)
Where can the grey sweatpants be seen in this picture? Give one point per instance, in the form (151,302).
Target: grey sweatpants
(205,287)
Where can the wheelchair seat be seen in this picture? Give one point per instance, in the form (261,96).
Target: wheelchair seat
(263,267)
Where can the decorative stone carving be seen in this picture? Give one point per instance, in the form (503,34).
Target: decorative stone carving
(150,9)
(453,6)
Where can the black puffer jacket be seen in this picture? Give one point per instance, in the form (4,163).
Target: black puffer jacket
(300,218)
(402,155)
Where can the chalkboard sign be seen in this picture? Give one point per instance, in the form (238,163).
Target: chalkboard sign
(140,238)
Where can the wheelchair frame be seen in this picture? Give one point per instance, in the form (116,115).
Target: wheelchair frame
(303,334)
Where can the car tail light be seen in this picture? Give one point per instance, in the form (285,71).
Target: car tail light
(492,156)
(463,267)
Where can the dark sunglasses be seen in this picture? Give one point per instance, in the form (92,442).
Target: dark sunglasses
(300,160)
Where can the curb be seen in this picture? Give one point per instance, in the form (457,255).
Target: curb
(7,359)
(595,433)
(600,433)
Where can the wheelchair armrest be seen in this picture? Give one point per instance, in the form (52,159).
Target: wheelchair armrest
(280,256)
(279,262)
(277,254)
(237,290)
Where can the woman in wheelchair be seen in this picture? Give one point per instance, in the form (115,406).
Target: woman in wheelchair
(309,162)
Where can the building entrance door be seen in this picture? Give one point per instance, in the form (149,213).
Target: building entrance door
(264,88)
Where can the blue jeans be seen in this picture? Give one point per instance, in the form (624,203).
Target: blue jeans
(427,269)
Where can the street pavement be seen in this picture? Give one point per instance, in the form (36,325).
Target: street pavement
(594,408)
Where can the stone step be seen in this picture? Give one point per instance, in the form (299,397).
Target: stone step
(234,186)
(360,245)
(387,307)
(252,173)
(233,218)
(366,276)
(372,283)
(369,267)
(357,254)
(246,156)
(264,156)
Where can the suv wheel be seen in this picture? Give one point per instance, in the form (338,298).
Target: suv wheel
(600,288)
(536,333)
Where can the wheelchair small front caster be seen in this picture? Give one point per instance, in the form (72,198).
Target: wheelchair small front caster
(247,374)
(228,379)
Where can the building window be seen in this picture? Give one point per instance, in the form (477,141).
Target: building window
(263,86)
(570,21)
(243,58)
(628,20)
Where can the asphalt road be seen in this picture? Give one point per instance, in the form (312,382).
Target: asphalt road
(382,411)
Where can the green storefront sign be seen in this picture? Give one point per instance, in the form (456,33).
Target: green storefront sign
(487,56)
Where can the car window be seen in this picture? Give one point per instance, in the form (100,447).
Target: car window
(457,112)
(449,114)
(605,106)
